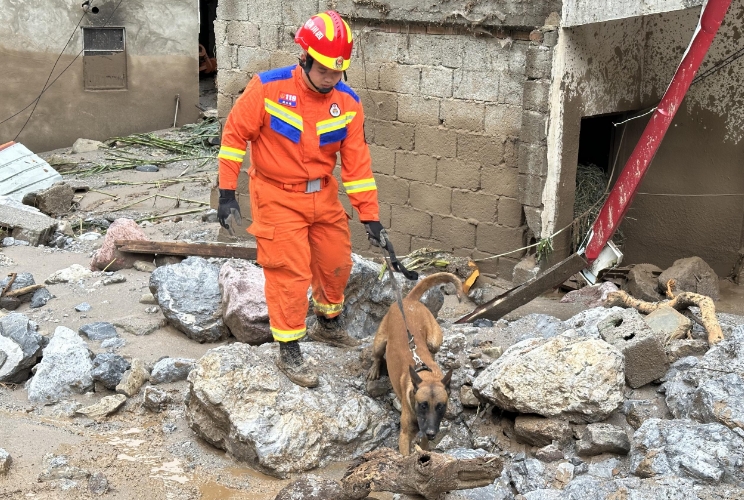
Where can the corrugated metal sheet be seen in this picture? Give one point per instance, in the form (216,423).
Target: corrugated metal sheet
(21,171)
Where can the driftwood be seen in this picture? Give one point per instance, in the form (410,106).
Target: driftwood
(23,291)
(424,473)
(680,301)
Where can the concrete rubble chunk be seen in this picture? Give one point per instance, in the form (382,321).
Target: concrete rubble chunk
(668,323)
(171,370)
(603,438)
(82,145)
(53,201)
(525,270)
(678,349)
(109,369)
(100,330)
(20,347)
(549,453)
(140,325)
(71,274)
(692,274)
(108,256)
(638,411)
(643,282)
(245,311)
(645,358)
(540,431)
(26,223)
(105,407)
(467,398)
(133,379)
(24,172)
(538,376)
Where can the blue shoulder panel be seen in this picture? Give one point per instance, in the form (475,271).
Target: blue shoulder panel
(276,74)
(341,86)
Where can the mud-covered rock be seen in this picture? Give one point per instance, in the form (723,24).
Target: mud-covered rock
(245,311)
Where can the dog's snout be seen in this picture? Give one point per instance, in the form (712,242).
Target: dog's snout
(431,434)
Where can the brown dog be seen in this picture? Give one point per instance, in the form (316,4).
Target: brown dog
(423,395)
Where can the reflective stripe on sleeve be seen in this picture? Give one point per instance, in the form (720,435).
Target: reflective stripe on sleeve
(360,185)
(229,153)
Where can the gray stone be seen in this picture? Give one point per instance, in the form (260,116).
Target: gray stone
(105,407)
(708,453)
(209,215)
(590,296)
(147,168)
(5,462)
(537,325)
(240,402)
(538,376)
(22,280)
(467,398)
(108,369)
(692,274)
(100,330)
(26,223)
(140,325)
(585,323)
(245,312)
(189,295)
(98,484)
(638,411)
(527,474)
(549,453)
(540,431)
(40,298)
(171,370)
(132,379)
(54,201)
(21,346)
(72,274)
(155,399)
(643,282)
(116,278)
(311,487)
(525,270)
(113,344)
(58,467)
(144,266)
(148,298)
(679,349)
(668,323)
(83,307)
(645,358)
(86,146)
(603,438)
(65,368)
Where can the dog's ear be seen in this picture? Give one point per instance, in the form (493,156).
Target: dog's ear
(447,379)
(415,379)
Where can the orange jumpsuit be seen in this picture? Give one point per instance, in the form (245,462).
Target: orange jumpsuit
(302,237)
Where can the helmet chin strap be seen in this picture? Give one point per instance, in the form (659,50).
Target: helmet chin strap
(306,67)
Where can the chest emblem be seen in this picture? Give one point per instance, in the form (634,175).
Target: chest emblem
(335,110)
(288,100)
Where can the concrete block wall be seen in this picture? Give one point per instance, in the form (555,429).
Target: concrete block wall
(445,118)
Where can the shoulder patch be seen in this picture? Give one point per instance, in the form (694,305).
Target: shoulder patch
(342,87)
(276,74)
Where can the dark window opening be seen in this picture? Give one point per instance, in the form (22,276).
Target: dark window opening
(207,45)
(104,58)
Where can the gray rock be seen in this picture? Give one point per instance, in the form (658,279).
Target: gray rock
(22,280)
(528,474)
(147,168)
(585,323)
(113,344)
(707,453)
(549,453)
(592,295)
(679,349)
(65,368)
(171,370)
(108,369)
(603,438)
(189,295)
(467,398)
(54,201)
(209,215)
(155,399)
(144,266)
(98,484)
(100,330)
(116,278)
(133,379)
(20,345)
(5,462)
(40,298)
(536,325)
(668,323)
(25,223)
(148,298)
(83,307)
(692,274)
(311,487)
(58,467)
(643,282)
(525,270)
(638,411)
(140,325)
(540,431)
(240,402)
(539,376)
(245,312)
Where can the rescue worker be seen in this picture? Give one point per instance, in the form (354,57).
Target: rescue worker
(296,120)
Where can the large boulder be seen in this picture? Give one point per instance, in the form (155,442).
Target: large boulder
(20,347)
(245,312)
(643,282)
(188,294)
(66,367)
(692,274)
(707,453)
(566,376)
(108,256)
(240,402)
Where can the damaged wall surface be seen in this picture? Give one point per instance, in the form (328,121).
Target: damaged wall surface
(161,61)
(580,12)
(444,105)
(690,202)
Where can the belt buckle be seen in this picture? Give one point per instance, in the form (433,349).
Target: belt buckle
(313,186)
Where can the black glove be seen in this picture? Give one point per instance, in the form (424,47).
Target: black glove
(228,205)
(376,233)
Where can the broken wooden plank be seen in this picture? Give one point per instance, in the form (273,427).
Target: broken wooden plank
(186,249)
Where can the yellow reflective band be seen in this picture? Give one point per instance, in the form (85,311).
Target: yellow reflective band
(231,153)
(328,62)
(327,308)
(348,32)
(285,115)
(359,186)
(328,25)
(287,335)
(335,123)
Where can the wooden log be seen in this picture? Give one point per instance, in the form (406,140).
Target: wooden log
(23,291)
(186,249)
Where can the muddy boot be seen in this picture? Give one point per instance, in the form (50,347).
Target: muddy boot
(290,362)
(331,332)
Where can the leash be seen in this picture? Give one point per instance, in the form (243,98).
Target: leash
(392,263)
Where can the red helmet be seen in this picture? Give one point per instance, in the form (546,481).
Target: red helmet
(327,39)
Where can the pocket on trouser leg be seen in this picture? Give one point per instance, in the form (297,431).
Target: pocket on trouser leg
(266,254)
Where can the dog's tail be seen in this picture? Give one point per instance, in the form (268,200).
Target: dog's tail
(431,281)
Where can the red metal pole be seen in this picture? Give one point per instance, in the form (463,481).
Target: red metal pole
(622,193)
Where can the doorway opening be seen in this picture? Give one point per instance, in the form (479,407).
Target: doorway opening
(207,54)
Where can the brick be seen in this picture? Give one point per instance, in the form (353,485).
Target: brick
(253,59)
(453,232)
(511,89)
(359,241)
(417,243)
(517,57)
(533,217)
(296,13)
(482,149)
(280,58)
(401,242)
(538,62)
(393,135)
(381,47)
(455,173)
(380,105)
(533,160)
(243,33)
(479,206)
(497,239)
(486,265)
(436,81)
(220,33)
(436,141)
(392,189)
(511,152)
(503,120)
(531,189)
(386,214)
(510,212)
(400,78)
(383,159)
(419,110)
(231,82)
(224,105)
(270,11)
(551,38)
(463,115)
(363,76)
(477,85)
(285,41)
(410,221)
(477,54)
(429,197)
(229,10)
(431,50)
(500,180)
(506,266)
(537,95)
(227,58)
(415,167)
(534,128)
(269,37)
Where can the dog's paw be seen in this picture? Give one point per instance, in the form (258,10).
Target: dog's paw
(374,372)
